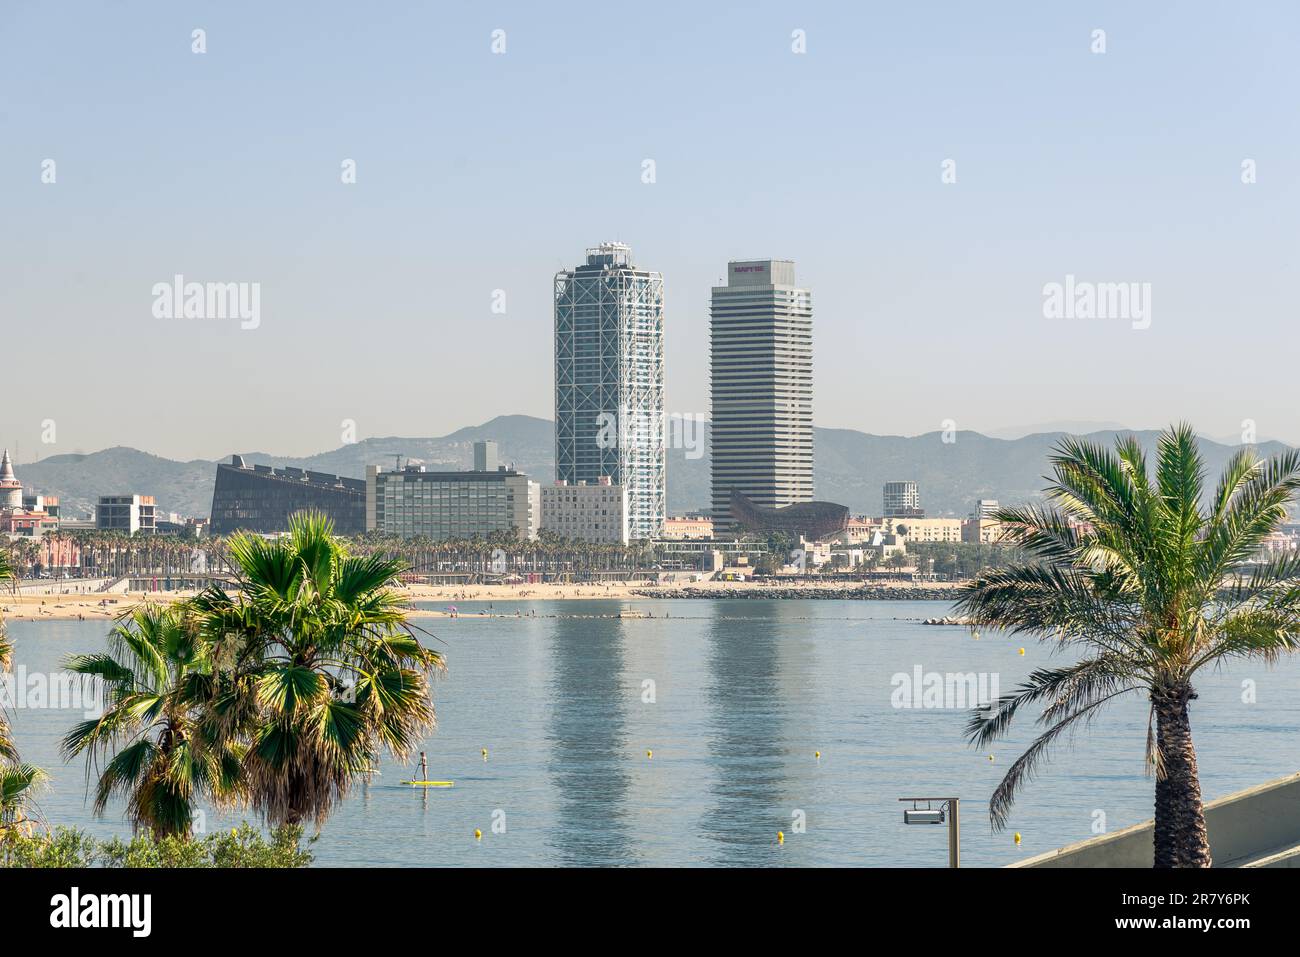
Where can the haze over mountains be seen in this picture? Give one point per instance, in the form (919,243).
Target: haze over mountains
(849,467)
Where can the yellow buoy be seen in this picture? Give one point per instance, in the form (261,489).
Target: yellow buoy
(1017,838)
(990,757)
(485,754)
(817,755)
(780,837)
(649,754)
(1022,651)
(478,835)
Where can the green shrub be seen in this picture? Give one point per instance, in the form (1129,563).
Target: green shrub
(62,847)
(244,846)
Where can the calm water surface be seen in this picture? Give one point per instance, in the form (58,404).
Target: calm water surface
(744,693)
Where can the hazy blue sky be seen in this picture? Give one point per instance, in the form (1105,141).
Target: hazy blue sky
(478,171)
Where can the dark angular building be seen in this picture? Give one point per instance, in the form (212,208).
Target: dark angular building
(260,499)
(815,521)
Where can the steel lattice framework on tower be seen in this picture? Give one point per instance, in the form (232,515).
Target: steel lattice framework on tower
(609,381)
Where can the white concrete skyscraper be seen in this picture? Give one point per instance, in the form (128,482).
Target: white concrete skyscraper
(762,380)
(609,381)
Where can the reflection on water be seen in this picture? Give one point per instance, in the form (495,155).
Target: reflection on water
(744,693)
(748,713)
(587,740)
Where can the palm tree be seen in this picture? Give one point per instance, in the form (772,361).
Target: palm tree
(323,671)
(17,781)
(7,750)
(1150,584)
(17,784)
(157,677)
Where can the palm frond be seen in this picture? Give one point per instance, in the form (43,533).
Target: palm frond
(1137,572)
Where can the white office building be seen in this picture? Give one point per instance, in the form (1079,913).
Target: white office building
(760,332)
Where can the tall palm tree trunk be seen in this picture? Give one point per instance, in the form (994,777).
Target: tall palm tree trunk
(1180,836)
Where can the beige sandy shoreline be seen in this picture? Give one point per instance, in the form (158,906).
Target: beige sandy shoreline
(54,607)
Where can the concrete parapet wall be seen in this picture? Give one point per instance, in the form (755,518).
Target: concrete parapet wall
(1257,827)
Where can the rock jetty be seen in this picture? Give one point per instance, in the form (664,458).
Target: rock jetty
(858,592)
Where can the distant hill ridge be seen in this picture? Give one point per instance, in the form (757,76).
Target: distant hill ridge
(850,466)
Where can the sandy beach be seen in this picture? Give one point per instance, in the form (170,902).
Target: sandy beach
(54,607)
(51,607)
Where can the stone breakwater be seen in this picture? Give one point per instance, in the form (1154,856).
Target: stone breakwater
(858,592)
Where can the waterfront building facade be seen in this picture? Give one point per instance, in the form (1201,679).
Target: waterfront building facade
(128,514)
(261,499)
(983,531)
(535,509)
(921,529)
(609,381)
(760,332)
(24,515)
(863,531)
(39,515)
(685,527)
(586,513)
(35,502)
(871,531)
(411,502)
(902,500)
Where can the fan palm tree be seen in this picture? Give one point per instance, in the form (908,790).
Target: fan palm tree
(17,784)
(1150,582)
(17,781)
(157,677)
(8,752)
(321,671)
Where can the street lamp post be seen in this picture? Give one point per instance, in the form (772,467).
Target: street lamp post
(948,810)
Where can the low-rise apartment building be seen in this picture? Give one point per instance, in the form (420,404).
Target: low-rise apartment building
(586,513)
(683,527)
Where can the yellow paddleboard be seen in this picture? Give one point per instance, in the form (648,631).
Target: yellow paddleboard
(430,784)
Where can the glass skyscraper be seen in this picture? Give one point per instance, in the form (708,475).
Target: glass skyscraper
(761,380)
(609,381)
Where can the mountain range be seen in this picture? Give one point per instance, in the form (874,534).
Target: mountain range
(850,467)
